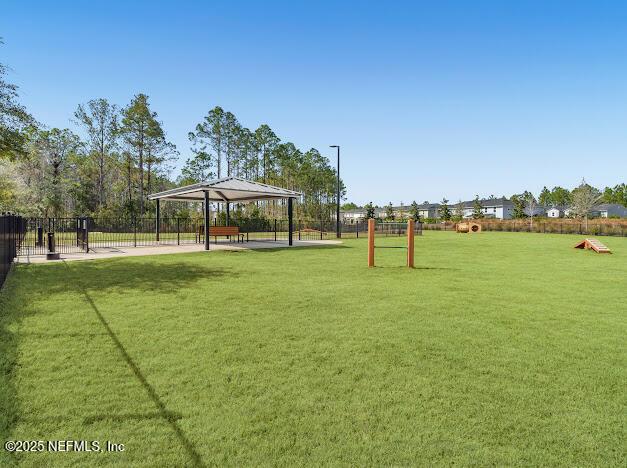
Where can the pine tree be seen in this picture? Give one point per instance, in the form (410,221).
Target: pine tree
(560,197)
(138,124)
(370,212)
(100,121)
(266,141)
(519,207)
(415,212)
(617,194)
(445,211)
(389,212)
(459,210)
(477,208)
(545,199)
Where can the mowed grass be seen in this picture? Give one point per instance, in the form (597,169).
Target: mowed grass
(498,349)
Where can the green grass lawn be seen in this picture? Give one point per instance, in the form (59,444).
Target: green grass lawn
(498,349)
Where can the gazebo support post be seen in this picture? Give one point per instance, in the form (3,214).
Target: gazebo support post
(290,216)
(158,220)
(228,214)
(206,226)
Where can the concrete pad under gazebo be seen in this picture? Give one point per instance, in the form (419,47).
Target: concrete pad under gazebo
(227,190)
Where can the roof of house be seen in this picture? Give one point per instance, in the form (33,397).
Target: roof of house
(488,202)
(422,206)
(607,206)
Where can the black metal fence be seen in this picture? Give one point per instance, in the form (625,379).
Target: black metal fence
(69,235)
(74,235)
(617,229)
(360,228)
(12,229)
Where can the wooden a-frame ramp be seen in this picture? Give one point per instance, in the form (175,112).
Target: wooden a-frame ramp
(593,244)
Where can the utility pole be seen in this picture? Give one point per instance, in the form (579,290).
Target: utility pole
(338,232)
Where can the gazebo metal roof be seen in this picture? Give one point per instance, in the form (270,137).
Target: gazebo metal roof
(227,189)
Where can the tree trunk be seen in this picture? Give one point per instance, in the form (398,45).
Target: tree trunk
(129,182)
(101,163)
(148,172)
(141,172)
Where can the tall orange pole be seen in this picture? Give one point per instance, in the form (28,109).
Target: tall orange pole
(410,243)
(370,243)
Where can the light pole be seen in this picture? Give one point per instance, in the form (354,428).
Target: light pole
(337,213)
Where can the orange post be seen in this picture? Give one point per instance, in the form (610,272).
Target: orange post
(410,243)
(370,243)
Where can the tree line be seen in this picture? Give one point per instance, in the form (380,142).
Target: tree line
(580,201)
(116,156)
(222,147)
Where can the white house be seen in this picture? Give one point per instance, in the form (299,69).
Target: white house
(498,208)
(554,213)
(425,210)
(352,216)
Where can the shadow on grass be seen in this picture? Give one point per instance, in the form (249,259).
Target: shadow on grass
(10,315)
(60,335)
(435,268)
(285,248)
(120,274)
(404,267)
(171,416)
(163,413)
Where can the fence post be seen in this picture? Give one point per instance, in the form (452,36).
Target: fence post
(39,242)
(299,229)
(410,243)
(371,228)
(86,221)
(52,250)
(157,221)
(135,232)
(274,229)
(13,221)
(178,231)
(321,225)
(290,221)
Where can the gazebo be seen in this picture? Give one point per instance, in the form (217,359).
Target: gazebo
(226,190)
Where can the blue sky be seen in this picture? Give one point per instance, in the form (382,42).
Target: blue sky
(427,99)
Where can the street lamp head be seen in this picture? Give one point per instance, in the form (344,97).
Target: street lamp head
(334,146)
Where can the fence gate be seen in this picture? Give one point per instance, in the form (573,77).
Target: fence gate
(69,235)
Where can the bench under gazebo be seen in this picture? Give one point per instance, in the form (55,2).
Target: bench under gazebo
(227,190)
